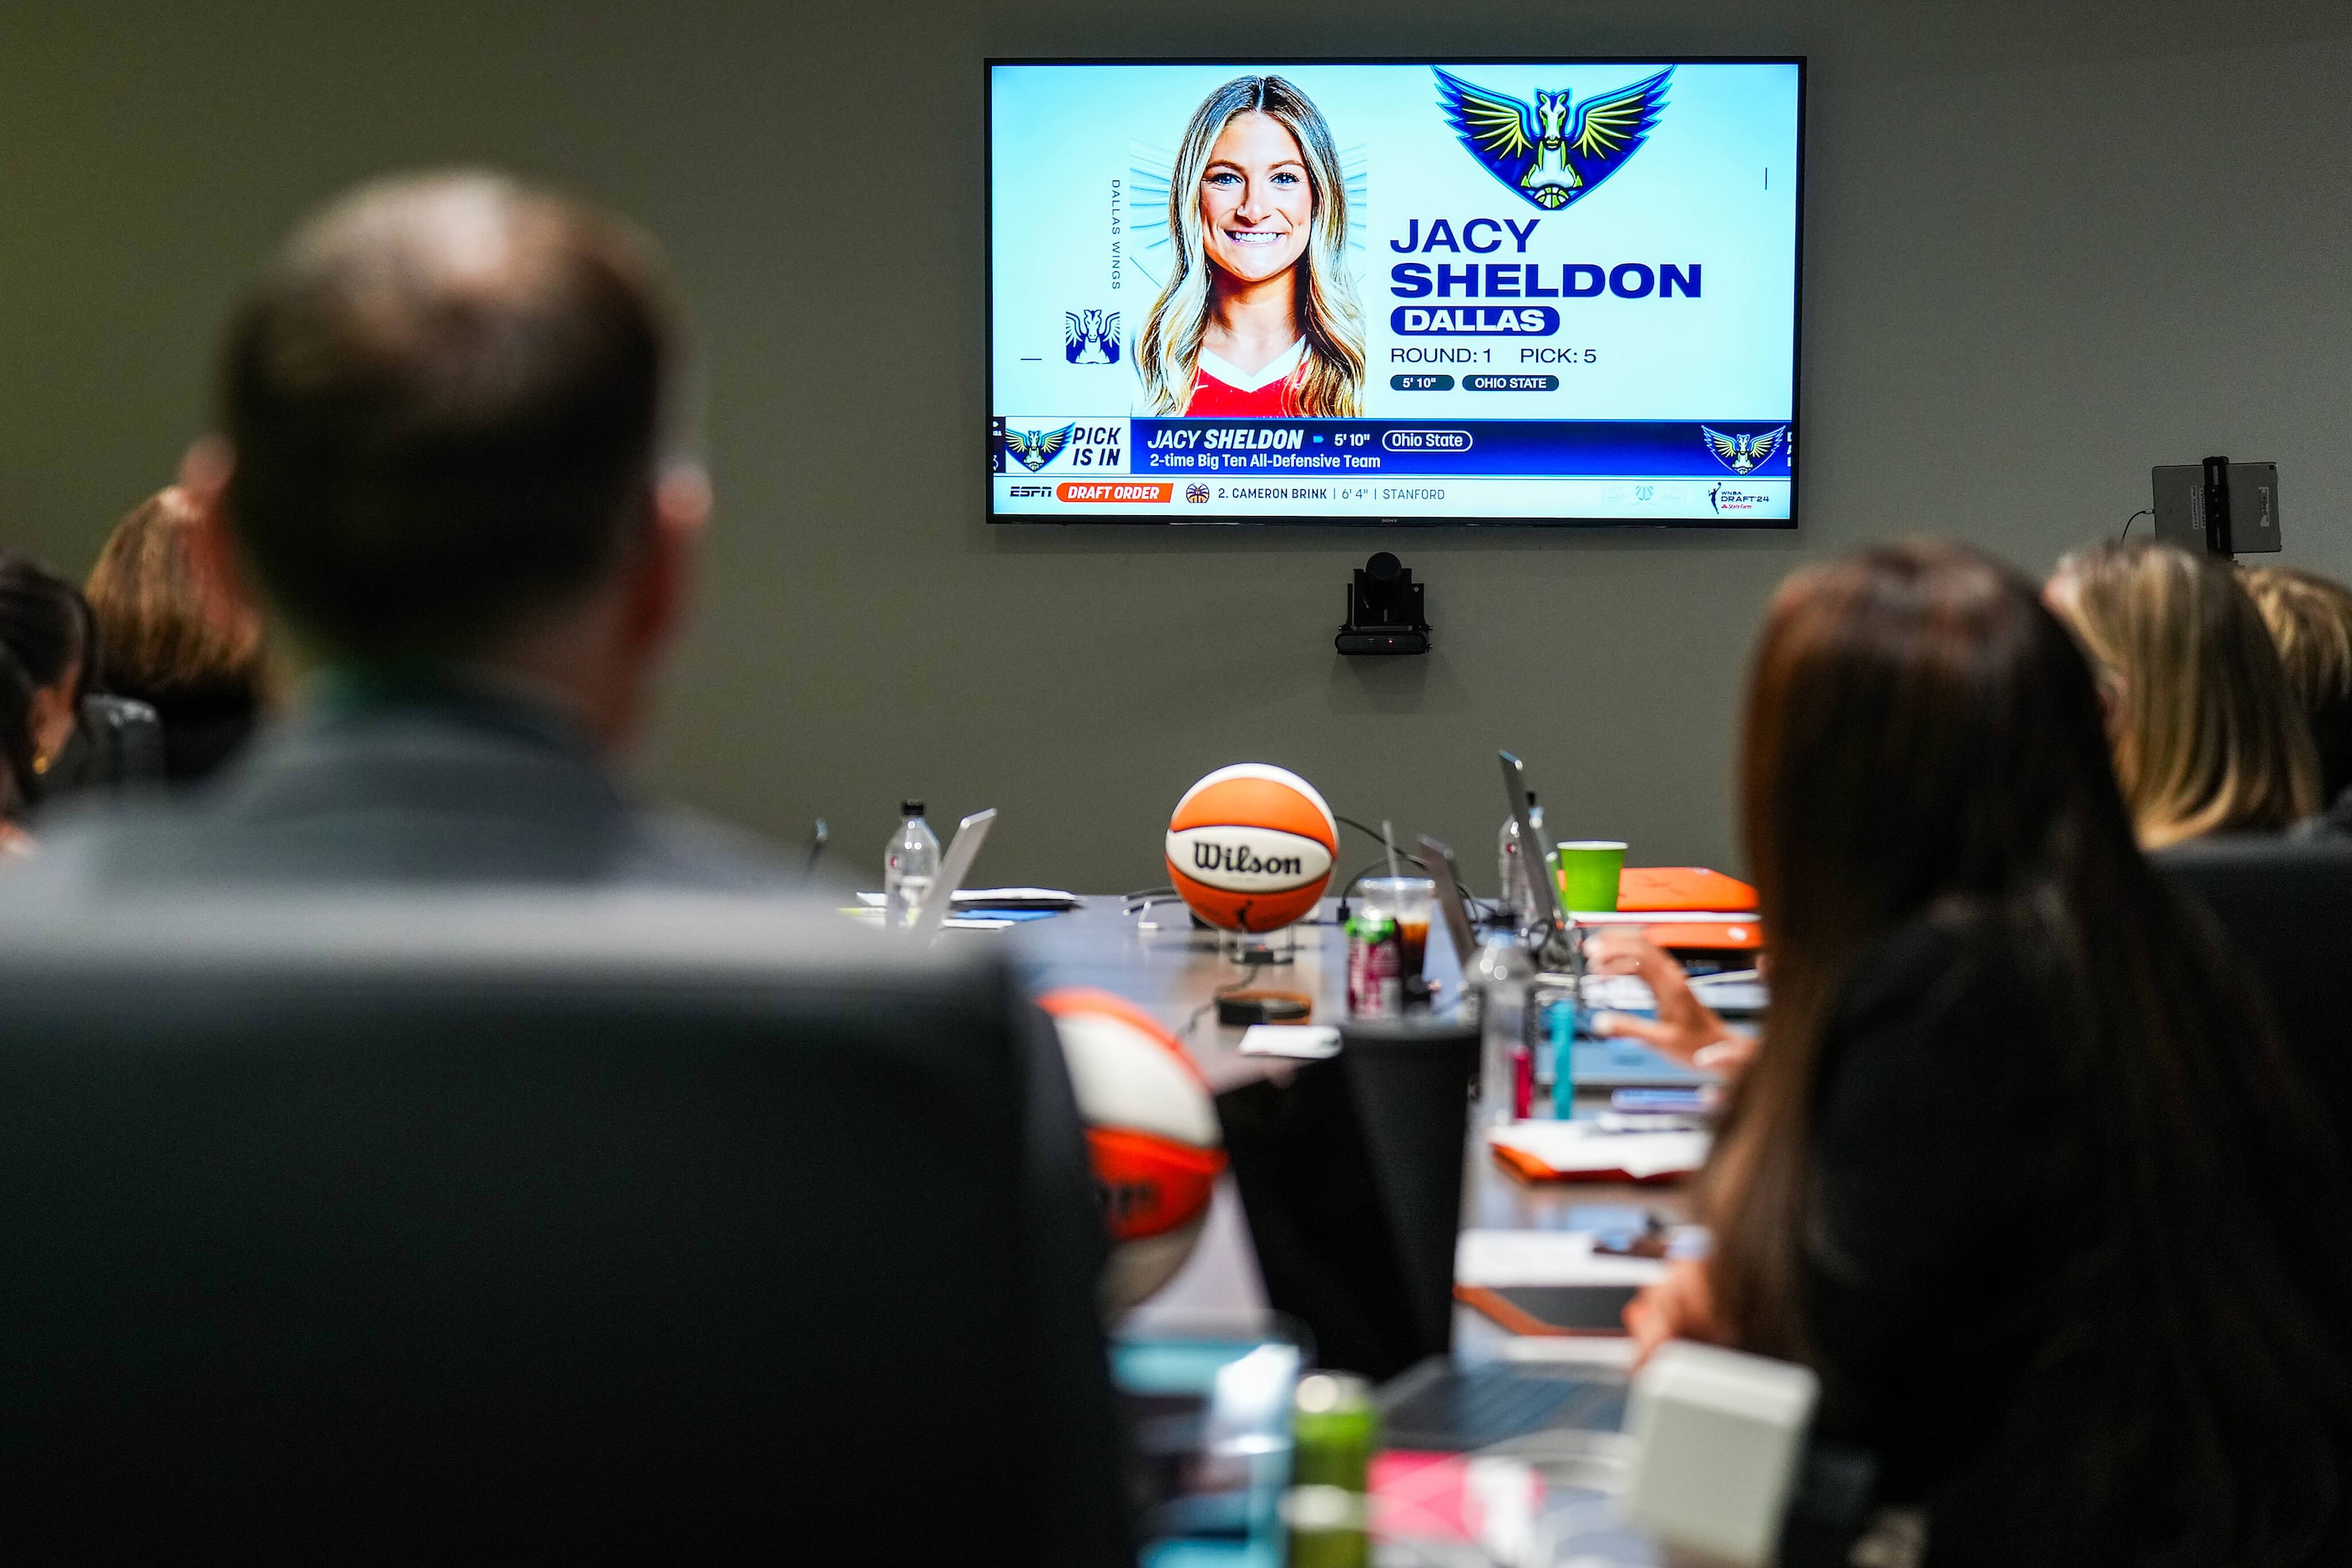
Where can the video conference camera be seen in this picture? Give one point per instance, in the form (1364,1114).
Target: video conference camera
(1384,610)
(2218,507)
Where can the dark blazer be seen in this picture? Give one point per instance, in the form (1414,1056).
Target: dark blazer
(1956,1224)
(2335,823)
(204,727)
(1949,1208)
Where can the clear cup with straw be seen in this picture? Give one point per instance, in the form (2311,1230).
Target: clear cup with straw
(1407,900)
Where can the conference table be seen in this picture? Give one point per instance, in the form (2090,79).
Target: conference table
(1158,960)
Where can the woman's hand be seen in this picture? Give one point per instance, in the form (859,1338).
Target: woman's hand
(1679,1307)
(1685,1029)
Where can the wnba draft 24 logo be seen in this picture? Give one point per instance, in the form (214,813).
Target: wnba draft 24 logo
(1554,151)
(1743,454)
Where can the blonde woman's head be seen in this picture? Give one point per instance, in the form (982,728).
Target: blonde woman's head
(2310,620)
(2207,737)
(1302,231)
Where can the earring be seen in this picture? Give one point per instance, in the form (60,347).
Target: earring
(40,762)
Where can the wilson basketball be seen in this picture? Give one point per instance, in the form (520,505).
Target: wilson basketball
(1250,848)
(1151,1136)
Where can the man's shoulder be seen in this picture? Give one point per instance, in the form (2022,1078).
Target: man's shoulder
(157,844)
(682,848)
(409,800)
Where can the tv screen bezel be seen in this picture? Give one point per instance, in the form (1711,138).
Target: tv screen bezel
(1545,525)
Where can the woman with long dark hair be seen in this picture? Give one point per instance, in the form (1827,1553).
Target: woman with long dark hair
(2017,1165)
(18,778)
(51,652)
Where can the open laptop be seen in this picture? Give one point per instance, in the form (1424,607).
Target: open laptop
(971,834)
(1554,949)
(1439,859)
(1597,1064)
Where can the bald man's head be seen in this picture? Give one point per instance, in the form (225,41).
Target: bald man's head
(445,402)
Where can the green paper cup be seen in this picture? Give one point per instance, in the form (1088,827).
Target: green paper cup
(1587,871)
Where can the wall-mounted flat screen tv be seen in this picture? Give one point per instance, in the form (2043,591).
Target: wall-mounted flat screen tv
(1525,292)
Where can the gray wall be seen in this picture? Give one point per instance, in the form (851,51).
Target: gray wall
(2048,246)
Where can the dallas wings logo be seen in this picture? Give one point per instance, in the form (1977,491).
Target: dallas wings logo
(1090,337)
(1555,150)
(1743,454)
(1033,450)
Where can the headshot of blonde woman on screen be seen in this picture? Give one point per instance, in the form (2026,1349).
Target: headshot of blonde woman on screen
(1259,316)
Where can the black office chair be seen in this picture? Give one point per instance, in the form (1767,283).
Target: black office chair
(653,1227)
(2287,908)
(118,745)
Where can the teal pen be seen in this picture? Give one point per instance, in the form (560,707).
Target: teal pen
(1563,1056)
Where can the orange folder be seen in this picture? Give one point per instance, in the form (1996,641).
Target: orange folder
(1533,1168)
(1508,1313)
(1677,888)
(1707,936)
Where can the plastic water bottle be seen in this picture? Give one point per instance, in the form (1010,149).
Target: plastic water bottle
(1518,896)
(1501,974)
(909,866)
(1559,1018)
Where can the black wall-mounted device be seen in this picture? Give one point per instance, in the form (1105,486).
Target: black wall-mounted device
(1384,610)
(2218,507)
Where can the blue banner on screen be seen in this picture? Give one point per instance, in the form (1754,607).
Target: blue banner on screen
(1525,292)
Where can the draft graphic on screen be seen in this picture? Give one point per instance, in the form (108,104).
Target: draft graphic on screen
(1529,291)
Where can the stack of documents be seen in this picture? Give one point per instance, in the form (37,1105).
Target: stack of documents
(1585,1152)
(1015,898)
(988,909)
(1737,993)
(1504,1258)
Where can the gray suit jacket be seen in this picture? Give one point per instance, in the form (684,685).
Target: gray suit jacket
(441,784)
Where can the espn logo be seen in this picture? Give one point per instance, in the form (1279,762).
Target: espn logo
(1020,492)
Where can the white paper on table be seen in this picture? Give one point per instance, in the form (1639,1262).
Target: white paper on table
(1495,1258)
(1602,920)
(1618,994)
(1302,1042)
(1000,899)
(1632,993)
(872,915)
(1569,1146)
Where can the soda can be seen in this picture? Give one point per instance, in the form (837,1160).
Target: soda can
(1336,1427)
(1375,967)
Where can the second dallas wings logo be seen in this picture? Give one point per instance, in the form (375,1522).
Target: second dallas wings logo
(1554,151)
(1741,452)
(1090,337)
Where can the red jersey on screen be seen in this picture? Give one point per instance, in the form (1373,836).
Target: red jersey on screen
(1220,391)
